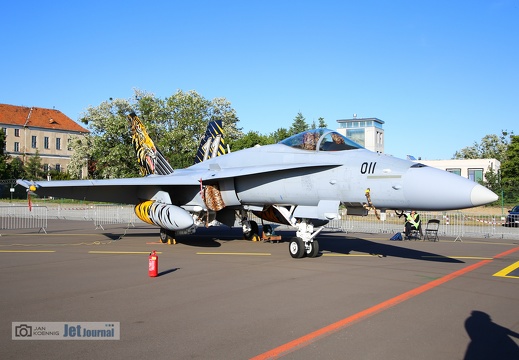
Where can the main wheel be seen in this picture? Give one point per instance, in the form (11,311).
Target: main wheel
(296,248)
(313,251)
(163,236)
(167,237)
(267,230)
(251,230)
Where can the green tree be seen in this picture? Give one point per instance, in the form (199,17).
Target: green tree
(490,147)
(510,171)
(16,169)
(299,124)
(322,123)
(33,167)
(251,139)
(5,169)
(279,135)
(176,124)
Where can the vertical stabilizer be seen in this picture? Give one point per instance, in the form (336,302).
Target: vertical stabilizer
(213,143)
(150,158)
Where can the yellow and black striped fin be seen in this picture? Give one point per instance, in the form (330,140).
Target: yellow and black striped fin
(213,142)
(149,156)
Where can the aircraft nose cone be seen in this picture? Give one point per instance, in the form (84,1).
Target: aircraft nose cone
(427,188)
(480,195)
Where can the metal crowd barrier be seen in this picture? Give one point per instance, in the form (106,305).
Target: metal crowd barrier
(454,224)
(114,214)
(23,217)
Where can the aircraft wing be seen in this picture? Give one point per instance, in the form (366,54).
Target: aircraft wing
(134,190)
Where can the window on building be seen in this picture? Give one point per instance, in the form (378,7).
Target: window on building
(5,131)
(357,135)
(45,168)
(33,142)
(58,167)
(454,171)
(69,148)
(17,132)
(476,175)
(58,143)
(46,142)
(16,146)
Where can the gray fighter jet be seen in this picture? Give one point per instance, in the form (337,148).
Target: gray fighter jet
(300,181)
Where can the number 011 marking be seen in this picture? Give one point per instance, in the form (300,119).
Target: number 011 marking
(368,168)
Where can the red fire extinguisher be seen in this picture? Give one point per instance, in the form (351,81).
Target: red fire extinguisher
(153,264)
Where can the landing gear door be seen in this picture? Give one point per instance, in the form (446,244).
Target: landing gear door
(325,210)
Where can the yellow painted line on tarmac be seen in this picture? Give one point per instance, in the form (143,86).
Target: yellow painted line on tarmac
(122,252)
(27,251)
(233,253)
(507,270)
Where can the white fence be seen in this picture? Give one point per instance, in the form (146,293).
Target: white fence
(22,217)
(454,224)
(114,214)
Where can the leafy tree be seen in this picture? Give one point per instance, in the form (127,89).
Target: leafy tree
(33,167)
(251,139)
(322,123)
(176,124)
(16,169)
(299,124)
(109,141)
(490,147)
(279,135)
(5,171)
(510,171)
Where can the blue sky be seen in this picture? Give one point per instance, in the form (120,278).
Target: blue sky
(441,74)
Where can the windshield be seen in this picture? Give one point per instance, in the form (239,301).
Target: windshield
(321,140)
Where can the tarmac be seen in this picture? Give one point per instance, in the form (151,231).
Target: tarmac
(220,297)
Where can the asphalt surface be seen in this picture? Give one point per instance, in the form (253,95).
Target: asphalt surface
(220,297)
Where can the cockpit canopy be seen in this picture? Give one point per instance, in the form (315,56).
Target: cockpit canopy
(321,140)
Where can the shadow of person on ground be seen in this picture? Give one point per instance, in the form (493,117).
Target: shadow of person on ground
(489,340)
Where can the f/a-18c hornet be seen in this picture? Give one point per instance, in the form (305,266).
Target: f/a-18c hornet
(300,181)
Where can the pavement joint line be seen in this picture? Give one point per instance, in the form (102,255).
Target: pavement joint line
(233,253)
(458,257)
(350,255)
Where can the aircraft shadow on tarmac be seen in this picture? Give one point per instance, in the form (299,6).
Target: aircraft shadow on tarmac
(489,340)
(212,237)
(345,245)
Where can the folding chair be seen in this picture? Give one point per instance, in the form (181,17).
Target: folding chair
(431,231)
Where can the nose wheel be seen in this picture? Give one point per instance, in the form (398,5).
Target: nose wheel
(304,244)
(298,248)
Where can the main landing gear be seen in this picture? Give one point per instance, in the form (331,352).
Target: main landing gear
(167,236)
(304,244)
(250,230)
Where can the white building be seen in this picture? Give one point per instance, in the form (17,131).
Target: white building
(473,169)
(367,132)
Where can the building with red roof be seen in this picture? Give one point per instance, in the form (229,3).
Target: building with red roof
(31,129)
